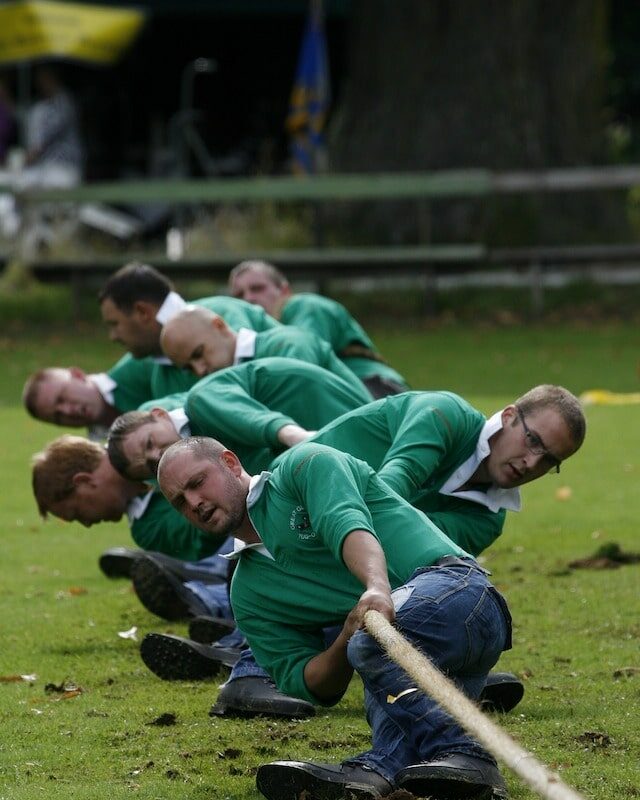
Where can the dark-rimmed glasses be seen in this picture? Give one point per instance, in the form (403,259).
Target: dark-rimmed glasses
(536,446)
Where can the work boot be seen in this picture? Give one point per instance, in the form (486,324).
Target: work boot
(454,776)
(253,695)
(502,692)
(117,562)
(208,629)
(163,593)
(174,658)
(290,780)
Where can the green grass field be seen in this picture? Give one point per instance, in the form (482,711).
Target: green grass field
(573,628)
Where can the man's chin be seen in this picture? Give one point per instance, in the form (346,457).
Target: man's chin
(504,482)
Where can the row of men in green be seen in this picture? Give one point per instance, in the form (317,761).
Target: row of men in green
(429,489)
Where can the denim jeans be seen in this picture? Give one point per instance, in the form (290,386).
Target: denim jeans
(455,617)
(214,598)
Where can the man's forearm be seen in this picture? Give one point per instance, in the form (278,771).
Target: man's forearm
(327,675)
(365,559)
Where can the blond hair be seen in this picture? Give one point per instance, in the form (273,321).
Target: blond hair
(561,400)
(54,468)
(32,388)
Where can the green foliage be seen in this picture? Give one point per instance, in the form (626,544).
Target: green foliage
(573,628)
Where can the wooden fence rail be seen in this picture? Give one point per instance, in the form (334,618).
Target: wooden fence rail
(323,263)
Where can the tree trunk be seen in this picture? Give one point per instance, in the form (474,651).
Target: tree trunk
(443,84)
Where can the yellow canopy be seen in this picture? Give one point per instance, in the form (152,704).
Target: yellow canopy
(42,28)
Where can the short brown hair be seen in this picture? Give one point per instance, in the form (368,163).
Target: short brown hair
(272,273)
(54,468)
(200,447)
(135,282)
(547,395)
(32,388)
(118,432)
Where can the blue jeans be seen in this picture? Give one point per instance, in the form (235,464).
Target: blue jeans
(455,617)
(215,600)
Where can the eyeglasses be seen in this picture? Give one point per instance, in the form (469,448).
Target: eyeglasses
(536,446)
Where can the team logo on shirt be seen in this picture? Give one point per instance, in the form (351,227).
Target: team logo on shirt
(299,521)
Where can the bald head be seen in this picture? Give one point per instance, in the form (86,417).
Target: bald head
(206,483)
(199,340)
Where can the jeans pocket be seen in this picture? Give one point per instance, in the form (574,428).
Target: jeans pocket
(401,595)
(486,634)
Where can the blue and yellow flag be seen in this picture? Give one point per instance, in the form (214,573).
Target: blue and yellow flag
(309,101)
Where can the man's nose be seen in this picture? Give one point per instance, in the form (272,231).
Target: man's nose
(533,460)
(192,499)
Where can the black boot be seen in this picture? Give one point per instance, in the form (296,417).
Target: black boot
(163,593)
(174,658)
(207,629)
(117,562)
(454,776)
(502,692)
(253,695)
(289,780)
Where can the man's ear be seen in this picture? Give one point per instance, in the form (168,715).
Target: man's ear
(219,324)
(145,310)
(160,413)
(82,479)
(509,415)
(76,372)
(232,461)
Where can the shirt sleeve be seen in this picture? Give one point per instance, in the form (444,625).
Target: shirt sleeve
(323,320)
(133,382)
(225,410)
(331,488)
(421,440)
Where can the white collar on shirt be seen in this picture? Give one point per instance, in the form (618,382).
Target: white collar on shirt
(172,305)
(256,487)
(494,498)
(245,345)
(180,422)
(105,386)
(138,506)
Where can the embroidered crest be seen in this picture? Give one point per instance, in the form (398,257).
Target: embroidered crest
(299,521)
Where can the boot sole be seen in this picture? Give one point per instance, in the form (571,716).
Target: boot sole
(117,565)
(158,591)
(176,660)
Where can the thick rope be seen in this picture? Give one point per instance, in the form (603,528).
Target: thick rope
(539,777)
